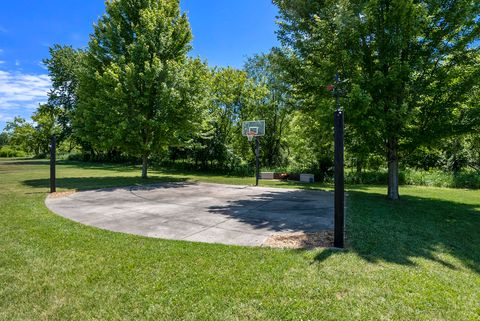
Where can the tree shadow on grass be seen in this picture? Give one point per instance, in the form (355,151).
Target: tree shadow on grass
(115,167)
(91,183)
(24,161)
(414,227)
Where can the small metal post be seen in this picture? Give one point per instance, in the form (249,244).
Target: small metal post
(257,155)
(339,220)
(53,147)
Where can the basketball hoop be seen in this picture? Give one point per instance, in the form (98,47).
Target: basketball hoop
(250,135)
(255,128)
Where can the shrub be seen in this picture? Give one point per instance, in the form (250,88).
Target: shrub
(75,156)
(8,151)
(435,178)
(438,178)
(379,177)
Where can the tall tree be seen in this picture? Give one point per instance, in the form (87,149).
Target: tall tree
(411,67)
(231,90)
(138,91)
(274,106)
(234,96)
(63,67)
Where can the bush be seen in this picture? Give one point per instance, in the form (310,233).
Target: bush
(379,177)
(237,169)
(76,156)
(42,156)
(435,178)
(8,151)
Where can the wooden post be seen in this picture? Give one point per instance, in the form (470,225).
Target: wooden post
(53,143)
(339,220)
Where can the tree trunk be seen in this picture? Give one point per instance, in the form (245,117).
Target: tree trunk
(144,166)
(393,170)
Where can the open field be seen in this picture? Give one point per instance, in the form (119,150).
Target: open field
(418,259)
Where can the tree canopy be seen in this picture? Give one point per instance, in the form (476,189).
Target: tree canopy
(138,91)
(410,89)
(411,68)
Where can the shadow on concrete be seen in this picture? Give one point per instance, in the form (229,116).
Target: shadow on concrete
(398,232)
(282,210)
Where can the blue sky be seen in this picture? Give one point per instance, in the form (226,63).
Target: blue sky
(225,33)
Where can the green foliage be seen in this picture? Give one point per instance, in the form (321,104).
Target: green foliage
(231,166)
(4,139)
(310,145)
(8,151)
(45,126)
(412,69)
(275,107)
(451,154)
(138,91)
(231,92)
(433,177)
(411,92)
(437,178)
(472,148)
(33,137)
(234,97)
(22,136)
(63,67)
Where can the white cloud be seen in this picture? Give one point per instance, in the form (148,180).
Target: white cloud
(17,62)
(5,118)
(22,91)
(2,62)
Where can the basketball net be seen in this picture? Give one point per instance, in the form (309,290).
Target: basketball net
(250,135)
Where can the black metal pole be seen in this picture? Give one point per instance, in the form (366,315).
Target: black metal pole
(339,220)
(257,155)
(53,143)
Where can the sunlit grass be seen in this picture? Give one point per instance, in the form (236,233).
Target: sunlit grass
(417,259)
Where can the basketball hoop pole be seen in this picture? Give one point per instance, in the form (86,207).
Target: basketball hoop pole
(257,163)
(339,219)
(339,182)
(53,185)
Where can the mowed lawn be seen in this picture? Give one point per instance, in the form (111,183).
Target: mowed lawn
(417,259)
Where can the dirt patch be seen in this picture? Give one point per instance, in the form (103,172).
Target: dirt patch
(301,240)
(61,194)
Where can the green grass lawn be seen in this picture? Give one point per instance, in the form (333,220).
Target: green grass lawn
(417,259)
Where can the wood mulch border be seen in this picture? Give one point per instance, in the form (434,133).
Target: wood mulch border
(301,240)
(61,194)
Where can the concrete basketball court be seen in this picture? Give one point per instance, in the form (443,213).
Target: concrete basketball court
(199,212)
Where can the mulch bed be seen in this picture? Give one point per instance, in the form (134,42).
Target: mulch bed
(301,240)
(61,194)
